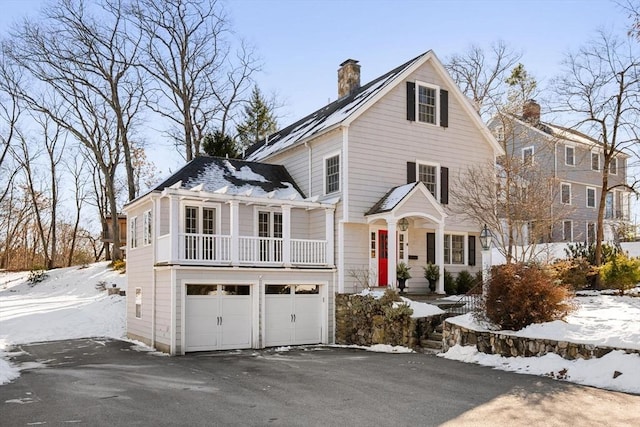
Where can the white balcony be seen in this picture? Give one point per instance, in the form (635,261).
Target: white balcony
(221,250)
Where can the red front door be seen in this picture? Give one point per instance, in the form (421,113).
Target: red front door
(383,257)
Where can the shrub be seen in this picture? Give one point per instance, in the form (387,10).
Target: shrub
(464,282)
(520,295)
(588,252)
(621,273)
(576,273)
(36,276)
(390,296)
(119,265)
(396,321)
(449,283)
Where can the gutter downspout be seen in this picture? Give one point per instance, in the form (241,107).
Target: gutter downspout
(310,193)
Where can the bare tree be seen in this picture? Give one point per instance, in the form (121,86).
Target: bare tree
(480,74)
(44,196)
(76,168)
(198,77)
(10,112)
(600,88)
(87,83)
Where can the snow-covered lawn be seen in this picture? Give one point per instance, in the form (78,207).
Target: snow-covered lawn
(66,305)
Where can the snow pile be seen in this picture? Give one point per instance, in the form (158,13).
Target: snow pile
(66,305)
(422,309)
(614,371)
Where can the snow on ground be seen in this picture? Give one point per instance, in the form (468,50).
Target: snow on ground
(66,305)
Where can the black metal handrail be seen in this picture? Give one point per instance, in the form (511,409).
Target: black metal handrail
(470,301)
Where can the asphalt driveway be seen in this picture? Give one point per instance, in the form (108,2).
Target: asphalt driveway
(106,382)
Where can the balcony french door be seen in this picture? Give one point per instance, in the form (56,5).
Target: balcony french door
(270,228)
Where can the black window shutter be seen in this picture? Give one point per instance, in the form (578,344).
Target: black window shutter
(411,172)
(472,250)
(431,248)
(444,185)
(444,108)
(411,101)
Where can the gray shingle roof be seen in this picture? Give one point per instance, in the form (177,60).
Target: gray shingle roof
(325,117)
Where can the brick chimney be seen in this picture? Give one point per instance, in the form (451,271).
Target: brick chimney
(531,111)
(348,77)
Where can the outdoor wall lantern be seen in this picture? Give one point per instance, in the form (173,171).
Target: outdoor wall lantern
(485,238)
(403,224)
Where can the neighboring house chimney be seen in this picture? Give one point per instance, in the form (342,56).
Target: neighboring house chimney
(531,111)
(348,77)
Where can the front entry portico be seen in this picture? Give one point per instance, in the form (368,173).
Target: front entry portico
(424,216)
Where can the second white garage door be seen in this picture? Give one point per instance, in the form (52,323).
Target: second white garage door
(293,315)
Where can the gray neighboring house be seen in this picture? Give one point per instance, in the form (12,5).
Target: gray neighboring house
(250,253)
(575,160)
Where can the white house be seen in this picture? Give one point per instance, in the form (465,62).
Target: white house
(250,253)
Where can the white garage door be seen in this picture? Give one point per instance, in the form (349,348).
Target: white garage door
(293,315)
(217,317)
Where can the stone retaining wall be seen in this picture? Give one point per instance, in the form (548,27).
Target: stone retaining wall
(512,346)
(359,322)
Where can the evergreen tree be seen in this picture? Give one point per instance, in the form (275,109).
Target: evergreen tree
(218,144)
(258,121)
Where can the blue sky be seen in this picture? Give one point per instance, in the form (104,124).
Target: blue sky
(302,42)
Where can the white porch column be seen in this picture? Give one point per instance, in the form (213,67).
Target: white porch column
(329,222)
(440,257)
(234,219)
(392,252)
(174,229)
(286,235)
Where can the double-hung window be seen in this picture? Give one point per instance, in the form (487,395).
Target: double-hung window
(332,174)
(591,197)
(567,231)
(591,232)
(427,103)
(527,155)
(454,249)
(569,155)
(499,133)
(133,236)
(613,166)
(595,161)
(428,174)
(608,205)
(565,193)
(146,228)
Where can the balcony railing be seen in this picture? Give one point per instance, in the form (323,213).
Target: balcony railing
(214,249)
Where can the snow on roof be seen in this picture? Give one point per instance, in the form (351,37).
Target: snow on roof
(235,177)
(325,117)
(392,198)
